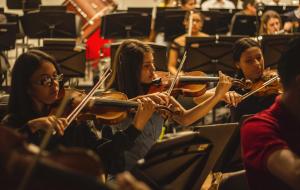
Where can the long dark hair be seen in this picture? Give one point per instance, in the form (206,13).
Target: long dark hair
(127,67)
(20,102)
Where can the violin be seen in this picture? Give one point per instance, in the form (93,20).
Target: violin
(191,84)
(57,170)
(108,108)
(268,84)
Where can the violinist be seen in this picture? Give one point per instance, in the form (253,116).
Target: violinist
(133,73)
(178,45)
(35,87)
(270,23)
(270,139)
(293,20)
(249,61)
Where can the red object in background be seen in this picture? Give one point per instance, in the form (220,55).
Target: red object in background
(94,44)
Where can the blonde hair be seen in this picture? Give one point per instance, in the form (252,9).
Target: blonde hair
(265,19)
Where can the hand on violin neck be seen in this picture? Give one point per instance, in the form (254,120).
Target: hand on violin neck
(223,86)
(48,123)
(144,112)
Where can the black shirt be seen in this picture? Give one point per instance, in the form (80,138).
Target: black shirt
(251,105)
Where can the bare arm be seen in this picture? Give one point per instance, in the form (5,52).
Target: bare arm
(190,116)
(231,97)
(285,165)
(209,93)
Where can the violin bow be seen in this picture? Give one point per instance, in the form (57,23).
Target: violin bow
(183,58)
(190,23)
(154,14)
(177,74)
(49,132)
(80,106)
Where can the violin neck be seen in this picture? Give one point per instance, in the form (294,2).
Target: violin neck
(196,79)
(116,103)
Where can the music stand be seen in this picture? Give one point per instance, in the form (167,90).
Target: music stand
(53,8)
(7,42)
(72,63)
(280,9)
(160,55)
(8,36)
(49,24)
(173,22)
(159,20)
(216,22)
(244,25)
(273,46)
(225,10)
(147,10)
(23,4)
(3,104)
(231,159)
(210,54)
(185,159)
(125,25)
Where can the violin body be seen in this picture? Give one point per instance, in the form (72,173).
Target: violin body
(271,89)
(108,108)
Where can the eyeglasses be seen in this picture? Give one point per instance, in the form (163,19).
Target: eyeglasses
(49,80)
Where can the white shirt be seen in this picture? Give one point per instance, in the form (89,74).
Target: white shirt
(215,4)
(280,3)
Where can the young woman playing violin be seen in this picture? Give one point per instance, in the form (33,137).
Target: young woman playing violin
(35,88)
(133,73)
(249,61)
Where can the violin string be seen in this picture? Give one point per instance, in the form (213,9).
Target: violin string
(77,110)
(90,93)
(177,74)
(263,85)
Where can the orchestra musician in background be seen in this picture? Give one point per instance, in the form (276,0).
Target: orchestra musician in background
(270,139)
(188,4)
(248,9)
(293,20)
(178,45)
(270,23)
